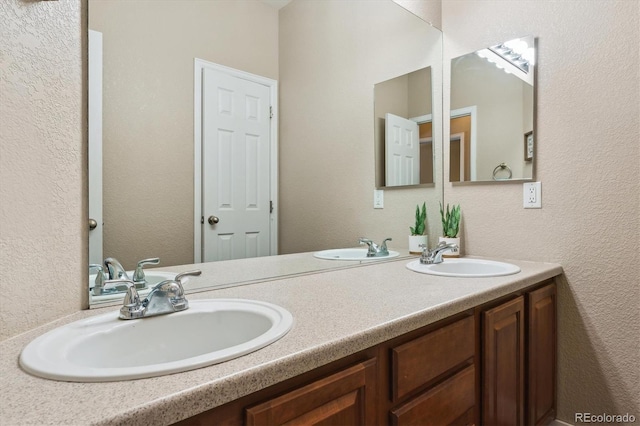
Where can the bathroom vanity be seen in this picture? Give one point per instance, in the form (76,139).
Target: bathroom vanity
(494,364)
(375,344)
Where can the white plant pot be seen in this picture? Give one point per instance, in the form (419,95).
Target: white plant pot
(451,253)
(415,241)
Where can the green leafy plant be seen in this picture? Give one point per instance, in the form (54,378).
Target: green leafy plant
(450,221)
(421,217)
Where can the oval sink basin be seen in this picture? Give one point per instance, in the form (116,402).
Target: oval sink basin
(105,348)
(351,254)
(472,268)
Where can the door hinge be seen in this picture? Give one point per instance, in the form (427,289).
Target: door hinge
(270,207)
(270,112)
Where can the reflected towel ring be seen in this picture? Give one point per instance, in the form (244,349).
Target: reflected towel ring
(500,167)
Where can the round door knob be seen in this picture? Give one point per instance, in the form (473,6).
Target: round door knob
(213,220)
(92,224)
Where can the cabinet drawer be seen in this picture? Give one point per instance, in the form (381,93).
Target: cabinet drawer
(421,360)
(451,402)
(344,398)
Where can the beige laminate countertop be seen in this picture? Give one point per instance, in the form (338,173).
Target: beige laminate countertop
(336,313)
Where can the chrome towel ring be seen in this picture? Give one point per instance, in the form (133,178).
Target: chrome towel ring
(500,167)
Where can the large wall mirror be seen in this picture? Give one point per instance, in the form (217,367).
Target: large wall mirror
(492,113)
(148,53)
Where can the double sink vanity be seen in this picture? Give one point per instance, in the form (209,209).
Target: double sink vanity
(364,342)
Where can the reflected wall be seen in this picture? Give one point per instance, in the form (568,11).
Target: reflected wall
(323,131)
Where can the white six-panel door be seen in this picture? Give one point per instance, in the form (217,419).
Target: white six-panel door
(235,167)
(402,151)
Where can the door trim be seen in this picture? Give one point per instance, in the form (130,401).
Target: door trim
(199,65)
(472,111)
(94,150)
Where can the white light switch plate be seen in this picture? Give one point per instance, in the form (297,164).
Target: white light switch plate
(532,195)
(378,199)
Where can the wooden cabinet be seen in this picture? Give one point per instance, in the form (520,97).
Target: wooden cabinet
(492,365)
(422,360)
(503,364)
(541,372)
(448,403)
(519,359)
(433,377)
(344,398)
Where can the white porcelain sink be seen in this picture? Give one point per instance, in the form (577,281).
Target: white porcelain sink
(104,348)
(351,254)
(463,267)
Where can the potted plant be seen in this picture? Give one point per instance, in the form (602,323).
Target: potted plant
(450,228)
(417,237)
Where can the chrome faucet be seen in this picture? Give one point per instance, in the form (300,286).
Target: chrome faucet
(374,249)
(114,270)
(165,298)
(98,284)
(139,279)
(435,255)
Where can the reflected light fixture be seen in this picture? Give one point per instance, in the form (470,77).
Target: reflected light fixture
(517,52)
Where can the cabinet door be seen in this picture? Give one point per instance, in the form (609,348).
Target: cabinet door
(503,364)
(541,377)
(345,398)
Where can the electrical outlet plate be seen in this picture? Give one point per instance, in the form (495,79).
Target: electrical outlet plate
(532,195)
(378,199)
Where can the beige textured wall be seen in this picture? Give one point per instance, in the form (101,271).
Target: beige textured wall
(326,115)
(588,150)
(42,163)
(428,10)
(149,52)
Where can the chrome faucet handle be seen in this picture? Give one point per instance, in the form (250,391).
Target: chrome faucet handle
(193,273)
(373,248)
(114,269)
(138,275)
(132,307)
(99,282)
(383,246)
(168,296)
(435,255)
(425,253)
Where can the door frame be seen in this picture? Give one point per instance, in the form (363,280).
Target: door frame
(199,66)
(94,150)
(473,139)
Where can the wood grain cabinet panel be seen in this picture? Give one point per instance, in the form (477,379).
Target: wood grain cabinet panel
(421,360)
(541,372)
(344,398)
(448,403)
(503,364)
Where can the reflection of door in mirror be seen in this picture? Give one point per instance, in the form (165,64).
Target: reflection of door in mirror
(425,129)
(460,152)
(402,151)
(236,156)
(499,82)
(403,129)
